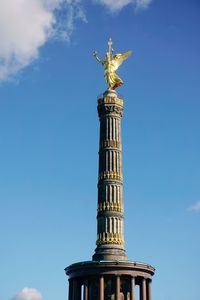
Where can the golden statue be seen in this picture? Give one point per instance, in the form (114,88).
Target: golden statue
(111,64)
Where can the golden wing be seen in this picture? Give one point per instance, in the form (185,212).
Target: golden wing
(118,59)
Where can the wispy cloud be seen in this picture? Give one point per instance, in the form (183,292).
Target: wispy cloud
(117,5)
(68,12)
(25,26)
(142,4)
(195,207)
(28,294)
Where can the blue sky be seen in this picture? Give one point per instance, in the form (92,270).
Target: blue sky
(49,140)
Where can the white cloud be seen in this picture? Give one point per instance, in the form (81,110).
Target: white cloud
(69,11)
(142,4)
(28,294)
(196,207)
(116,5)
(26,25)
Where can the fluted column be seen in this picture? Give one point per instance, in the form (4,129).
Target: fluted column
(110,216)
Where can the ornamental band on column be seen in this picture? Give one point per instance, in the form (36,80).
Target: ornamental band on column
(110,275)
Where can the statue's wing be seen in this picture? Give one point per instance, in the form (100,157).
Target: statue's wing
(118,59)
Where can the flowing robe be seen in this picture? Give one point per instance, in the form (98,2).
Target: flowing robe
(110,75)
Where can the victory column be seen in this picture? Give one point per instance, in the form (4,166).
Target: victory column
(110,275)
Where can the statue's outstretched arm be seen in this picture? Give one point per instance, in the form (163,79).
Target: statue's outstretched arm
(97,58)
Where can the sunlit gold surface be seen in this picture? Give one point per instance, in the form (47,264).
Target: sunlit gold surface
(110,175)
(102,206)
(111,100)
(111,64)
(109,238)
(110,144)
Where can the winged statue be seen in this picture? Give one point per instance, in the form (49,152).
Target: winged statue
(111,64)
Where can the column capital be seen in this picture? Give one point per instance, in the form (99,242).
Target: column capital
(145,278)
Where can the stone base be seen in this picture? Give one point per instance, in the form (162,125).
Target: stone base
(109,252)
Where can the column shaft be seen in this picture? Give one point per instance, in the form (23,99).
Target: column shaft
(149,290)
(143,290)
(70,292)
(74,290)
(117,288)
(101,288)
(86,290)
(133,288)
